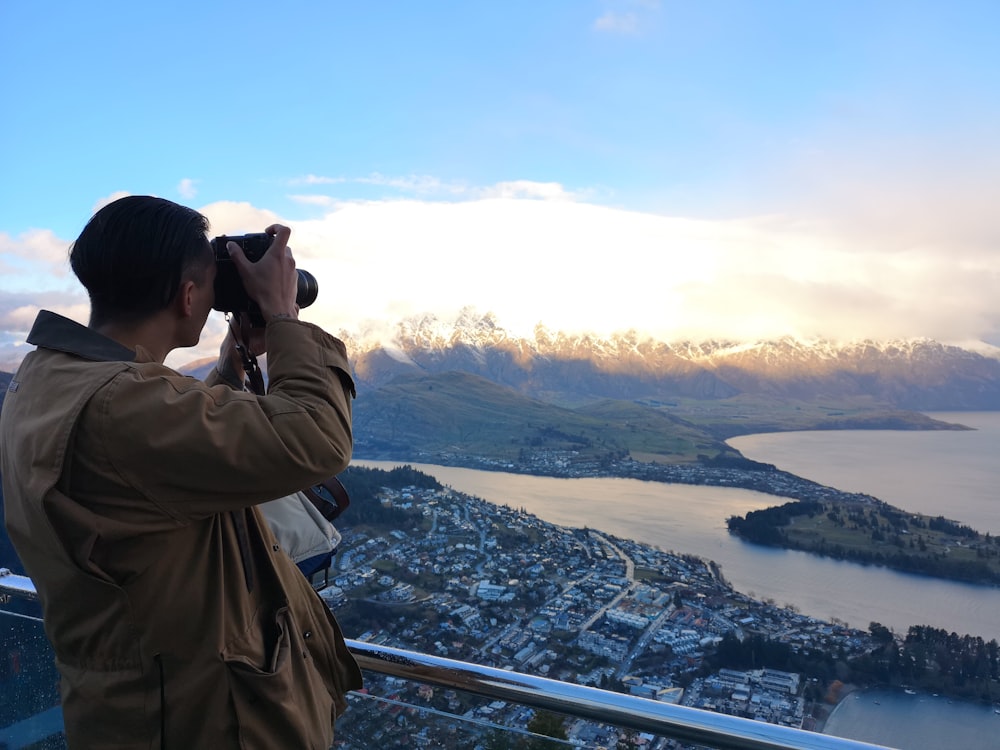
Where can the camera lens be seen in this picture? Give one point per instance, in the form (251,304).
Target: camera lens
(308,289)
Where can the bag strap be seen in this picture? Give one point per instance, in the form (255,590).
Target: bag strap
(329,497)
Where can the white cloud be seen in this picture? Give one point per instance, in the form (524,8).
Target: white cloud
(430,187)
(34,261)
(618,23)
(102,202)
(229,217)
(537,253)
(526,189)
(420,184)
(313,200)
(865,170)
(312,179)
(416,184)
(39,245)
(578,266)
(187,188)
(626,17)
(18,312)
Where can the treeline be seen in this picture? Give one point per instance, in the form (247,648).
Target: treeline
(963,666)
(970,571)
(365,485)
(931,659)
(767,527)
(756,651)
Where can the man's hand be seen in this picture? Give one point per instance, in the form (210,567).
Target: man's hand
(272,281)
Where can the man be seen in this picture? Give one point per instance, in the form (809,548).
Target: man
(176,619)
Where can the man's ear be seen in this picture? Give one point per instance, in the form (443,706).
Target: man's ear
(185,299)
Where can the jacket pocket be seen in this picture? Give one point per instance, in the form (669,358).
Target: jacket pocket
(110,709)
(283,703)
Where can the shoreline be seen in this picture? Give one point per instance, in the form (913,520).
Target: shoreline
(748,568)
(764,478)
(899,717)
(827,710)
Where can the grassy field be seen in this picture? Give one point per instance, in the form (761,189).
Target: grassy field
(460,413)
(743,415)
(463,413)
(874,532)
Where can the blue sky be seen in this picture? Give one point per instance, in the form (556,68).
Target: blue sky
(735,169)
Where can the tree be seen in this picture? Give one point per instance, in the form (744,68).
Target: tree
(880,633)
(627,740)
(548,724)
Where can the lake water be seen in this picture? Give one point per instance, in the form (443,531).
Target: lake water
(954,474)
(914,722)
(950,473)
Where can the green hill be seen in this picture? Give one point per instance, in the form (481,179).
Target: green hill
(463,413)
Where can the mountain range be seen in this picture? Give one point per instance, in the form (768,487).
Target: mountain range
(439,387)
(570,369)
(438,390)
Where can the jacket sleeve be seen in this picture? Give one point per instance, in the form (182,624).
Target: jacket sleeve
(193,449)
(217,377)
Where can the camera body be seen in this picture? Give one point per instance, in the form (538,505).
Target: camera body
(231,297)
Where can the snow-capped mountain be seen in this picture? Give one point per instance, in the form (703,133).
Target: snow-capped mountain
(921,375)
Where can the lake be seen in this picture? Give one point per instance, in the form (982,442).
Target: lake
(954,473)
(914,722)
(950,473)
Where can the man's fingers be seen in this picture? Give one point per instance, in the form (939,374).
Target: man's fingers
(236,253)
(280,233)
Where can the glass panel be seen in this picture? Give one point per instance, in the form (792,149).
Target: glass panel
(30,716)
(391,712)
(407,714)
(377,721)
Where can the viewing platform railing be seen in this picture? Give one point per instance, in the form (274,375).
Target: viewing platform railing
(680,723)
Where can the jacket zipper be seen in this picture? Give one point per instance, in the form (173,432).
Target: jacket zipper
(163,701)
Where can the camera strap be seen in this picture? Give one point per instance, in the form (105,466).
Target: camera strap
(249,359)
(252,369)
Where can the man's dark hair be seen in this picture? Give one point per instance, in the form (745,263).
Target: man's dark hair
(134,253)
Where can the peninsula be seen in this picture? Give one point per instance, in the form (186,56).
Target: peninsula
(820,519)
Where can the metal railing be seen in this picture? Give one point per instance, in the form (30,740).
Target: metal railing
(680,723)
(642,714)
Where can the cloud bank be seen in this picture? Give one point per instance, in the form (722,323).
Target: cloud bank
(555,259)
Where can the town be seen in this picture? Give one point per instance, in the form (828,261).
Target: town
(721,471)
(470,580)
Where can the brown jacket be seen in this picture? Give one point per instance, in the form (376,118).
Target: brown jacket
(176,619)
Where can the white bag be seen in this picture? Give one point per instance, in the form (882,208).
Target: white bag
(299,527)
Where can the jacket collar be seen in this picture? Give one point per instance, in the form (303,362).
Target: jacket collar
(53,331)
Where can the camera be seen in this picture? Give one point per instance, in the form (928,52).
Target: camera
(231,297)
